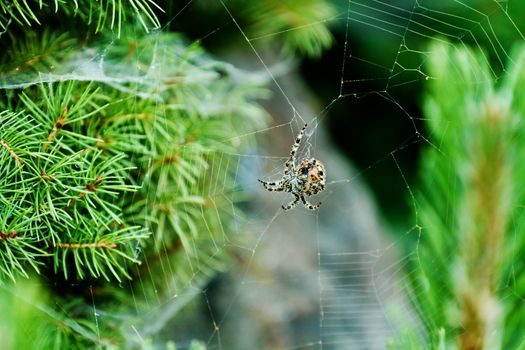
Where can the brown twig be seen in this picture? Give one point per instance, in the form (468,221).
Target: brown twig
(100,244)
(5,235)
(11,152)
(59,124)
(91,187)
(47,177)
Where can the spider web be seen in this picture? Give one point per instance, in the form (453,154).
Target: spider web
(335,278)
(332,278)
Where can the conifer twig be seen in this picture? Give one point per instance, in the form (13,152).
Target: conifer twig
(19,160)
(5,235)
(100,244)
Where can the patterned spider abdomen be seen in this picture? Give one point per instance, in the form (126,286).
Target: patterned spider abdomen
(314,175)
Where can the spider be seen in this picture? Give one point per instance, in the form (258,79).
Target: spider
(304,179)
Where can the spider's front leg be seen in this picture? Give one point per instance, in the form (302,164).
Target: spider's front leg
(308,205)
(289,166)
(272,186)
(291,204)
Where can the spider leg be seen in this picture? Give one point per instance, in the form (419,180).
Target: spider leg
(275,189)
(269,183)
(272,186)
(291,204)
(289,165)
(308,205)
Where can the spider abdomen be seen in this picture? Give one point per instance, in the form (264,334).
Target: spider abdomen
(313,173)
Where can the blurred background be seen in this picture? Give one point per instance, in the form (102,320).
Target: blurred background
(355,71)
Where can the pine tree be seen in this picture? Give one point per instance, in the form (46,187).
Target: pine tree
(113,135)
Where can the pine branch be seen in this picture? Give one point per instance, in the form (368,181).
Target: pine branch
(104,14)
(135,163)
(69,187)
(70,149)
(35,53)
(100,255)
(470,203)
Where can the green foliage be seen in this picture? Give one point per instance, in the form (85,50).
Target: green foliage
(468,279)
(27,323)
(22,324)
(77,153)
(65,187)
(107,169)
(301,24)
(101,14)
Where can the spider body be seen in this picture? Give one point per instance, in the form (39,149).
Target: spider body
(305,179)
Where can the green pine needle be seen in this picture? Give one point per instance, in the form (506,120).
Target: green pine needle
(104,14)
